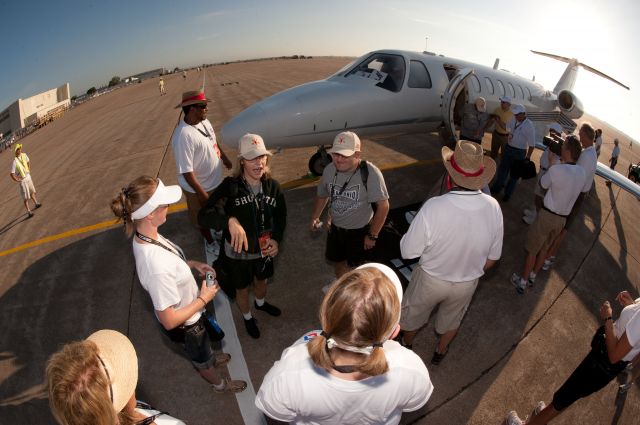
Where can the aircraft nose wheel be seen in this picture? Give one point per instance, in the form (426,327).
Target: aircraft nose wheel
(318,161)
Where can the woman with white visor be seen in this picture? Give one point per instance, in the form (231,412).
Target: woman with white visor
(350,372)
(165,274)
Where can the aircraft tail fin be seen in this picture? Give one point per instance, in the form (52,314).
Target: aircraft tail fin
(496,63)
(568,79)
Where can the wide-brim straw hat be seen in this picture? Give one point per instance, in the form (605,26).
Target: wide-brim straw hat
(468,166)
(120,362)
(193,97)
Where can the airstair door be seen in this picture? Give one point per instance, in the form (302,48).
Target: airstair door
(455,87)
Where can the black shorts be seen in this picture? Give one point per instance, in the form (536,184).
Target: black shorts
(346,245)
(590,376)
(241,273)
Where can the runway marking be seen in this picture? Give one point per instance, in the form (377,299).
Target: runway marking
(183,206)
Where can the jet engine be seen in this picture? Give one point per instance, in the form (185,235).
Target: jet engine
(569,104)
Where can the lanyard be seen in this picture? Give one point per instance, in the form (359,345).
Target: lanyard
(176,250)
(343,188)
(258,200)
(205,133)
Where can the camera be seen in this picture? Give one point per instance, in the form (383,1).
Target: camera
(554,144)
(210,278)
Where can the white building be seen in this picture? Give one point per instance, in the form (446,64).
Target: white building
(24,112)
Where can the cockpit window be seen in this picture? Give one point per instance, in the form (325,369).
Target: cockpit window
(418,76)
(388,70)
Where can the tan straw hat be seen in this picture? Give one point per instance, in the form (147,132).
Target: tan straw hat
(120,363)
(468,166)
(193,97)
(252,146)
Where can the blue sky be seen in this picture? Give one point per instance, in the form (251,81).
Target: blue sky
(87,42)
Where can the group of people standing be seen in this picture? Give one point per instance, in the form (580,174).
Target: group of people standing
(362,354)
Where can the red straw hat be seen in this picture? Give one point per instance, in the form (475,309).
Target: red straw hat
(193,97)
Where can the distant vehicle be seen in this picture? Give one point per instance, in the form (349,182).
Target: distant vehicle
(634,172)
(390,92)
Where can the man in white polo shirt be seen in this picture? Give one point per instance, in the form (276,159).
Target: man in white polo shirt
(199,159)
(457,236)
(588,161)
(563,182)
(519,146)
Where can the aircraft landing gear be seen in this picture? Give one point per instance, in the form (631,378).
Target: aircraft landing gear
(319,160)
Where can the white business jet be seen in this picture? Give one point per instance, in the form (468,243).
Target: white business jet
(390,92)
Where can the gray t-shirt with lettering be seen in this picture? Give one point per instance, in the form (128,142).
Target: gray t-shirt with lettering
(350,203)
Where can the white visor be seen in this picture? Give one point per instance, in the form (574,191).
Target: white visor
(164,195)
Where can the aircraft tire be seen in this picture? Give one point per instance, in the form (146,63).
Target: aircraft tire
(317,163)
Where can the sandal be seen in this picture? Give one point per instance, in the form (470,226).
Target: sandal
(231,386)
(437,357)
(221,359)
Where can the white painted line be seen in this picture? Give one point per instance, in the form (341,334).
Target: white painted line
(237,366)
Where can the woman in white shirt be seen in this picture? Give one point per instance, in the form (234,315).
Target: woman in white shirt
(351,372)
(165,274)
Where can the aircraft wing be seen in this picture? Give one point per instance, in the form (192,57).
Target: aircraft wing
(618,179)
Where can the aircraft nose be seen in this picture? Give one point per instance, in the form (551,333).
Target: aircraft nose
(252,120)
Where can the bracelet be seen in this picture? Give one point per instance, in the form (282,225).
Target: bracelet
(372,237)
(608,318)
(204,303)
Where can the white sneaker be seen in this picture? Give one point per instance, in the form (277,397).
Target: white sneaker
(519,283)
(532,280)
(539,408)
(513,419)
(548,263)
(529,219)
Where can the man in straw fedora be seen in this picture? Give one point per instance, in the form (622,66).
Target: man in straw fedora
(199,159)
(457,236)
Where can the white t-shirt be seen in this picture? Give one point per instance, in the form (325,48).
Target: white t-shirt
(297,391)
(564,183)
(454,235)
(522,133)
(166,277)
(598,143)
(199,153)
(588,160)
(629,322)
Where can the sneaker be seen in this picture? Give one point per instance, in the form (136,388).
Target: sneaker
(221,359)
(270,309)
(252,328)
(30,213)
(529,219)
(548,263)
(513,419)
(438,357)
(531,281)
(231,386)
(518,282)
(38,206)
(539,408)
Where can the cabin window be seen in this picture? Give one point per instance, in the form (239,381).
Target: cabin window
(528,93)
(475,83)
(520,92)
(489,85)
(418,76)
(501,88)
(387,69)
(512,91)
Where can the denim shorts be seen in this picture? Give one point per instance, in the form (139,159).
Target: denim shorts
(197,344)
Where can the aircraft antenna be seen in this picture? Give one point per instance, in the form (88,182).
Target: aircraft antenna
(568,78)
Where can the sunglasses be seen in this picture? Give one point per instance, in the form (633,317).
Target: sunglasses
(201,106)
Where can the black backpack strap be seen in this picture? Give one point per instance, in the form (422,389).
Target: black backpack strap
(364,172)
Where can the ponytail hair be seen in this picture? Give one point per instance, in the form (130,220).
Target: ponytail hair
(131,198)
(361,309)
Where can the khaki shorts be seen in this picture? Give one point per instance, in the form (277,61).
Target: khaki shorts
(543,231)
(193,205)
(425,292)
(27,188)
